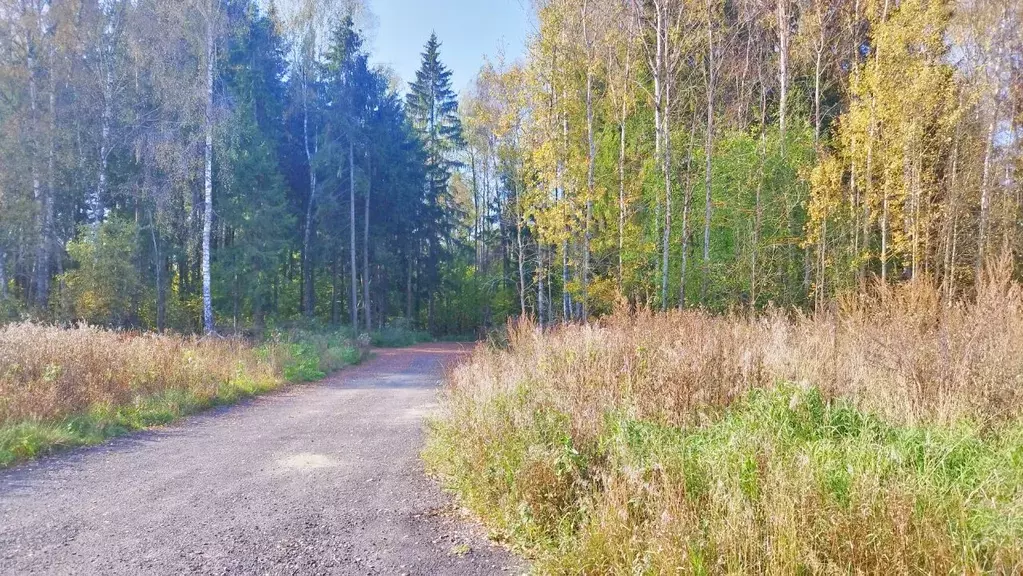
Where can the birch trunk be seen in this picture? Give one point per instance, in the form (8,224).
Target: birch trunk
(540,285)
(33,97)
(96,211)
(666,169)
(566,297)
(708,152)
(161,293)
(307,280)
(985,184)
(590,160)
(3,275)
(985,190)
(408,290)
(783,68)
(758,207)
(44,258)
(621,157)
(207,217)
(519,250)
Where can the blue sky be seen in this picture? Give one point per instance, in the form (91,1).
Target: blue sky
(467,29)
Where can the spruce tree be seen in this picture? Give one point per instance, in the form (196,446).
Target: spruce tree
(432,108)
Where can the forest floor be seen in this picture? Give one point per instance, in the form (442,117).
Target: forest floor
(318,479)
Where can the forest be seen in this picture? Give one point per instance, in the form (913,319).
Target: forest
(204,164)
(741,153)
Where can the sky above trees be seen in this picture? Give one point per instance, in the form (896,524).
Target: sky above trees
(468,29)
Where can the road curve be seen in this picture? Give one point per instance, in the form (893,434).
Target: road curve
(318,479)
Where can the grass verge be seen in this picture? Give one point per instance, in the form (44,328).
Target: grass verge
(65,388)
(781,482)
(885,437)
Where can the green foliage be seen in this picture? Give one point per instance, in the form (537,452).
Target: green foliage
(747,236)
(467,300)
(398,334)
(103,287)
(309,355)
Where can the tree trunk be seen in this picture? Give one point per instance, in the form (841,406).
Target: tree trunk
(686,204)
(666,169)
(335,315)
(308,293)
(365,255)
(95,208)
(783,68)
(817,72)
(476,227)
(519,249)
(985,190)
(351,227)
(158,264)
(657,71)
(708,152)
(758,208)
(207,217)
(43,256)
(590,161)
(408,290)
(621,161)
(3,275)
(566,297)
(30,64)
(539,287)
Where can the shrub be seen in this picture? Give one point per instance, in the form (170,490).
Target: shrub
(398,335)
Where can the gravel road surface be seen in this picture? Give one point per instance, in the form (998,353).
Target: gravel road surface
(318,479)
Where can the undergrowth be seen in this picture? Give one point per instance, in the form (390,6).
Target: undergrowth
(885,437)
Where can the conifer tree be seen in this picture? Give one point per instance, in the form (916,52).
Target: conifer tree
(432,107)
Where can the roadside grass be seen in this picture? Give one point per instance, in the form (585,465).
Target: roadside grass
(61,388)
(884,437)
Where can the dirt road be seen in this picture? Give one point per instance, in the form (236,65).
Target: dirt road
(319,479)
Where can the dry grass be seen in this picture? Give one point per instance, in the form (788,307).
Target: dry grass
(884,437)
(50,373)
(68,387)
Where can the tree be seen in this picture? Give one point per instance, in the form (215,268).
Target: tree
(432,108)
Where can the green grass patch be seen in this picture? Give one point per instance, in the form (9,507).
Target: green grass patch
(782,481)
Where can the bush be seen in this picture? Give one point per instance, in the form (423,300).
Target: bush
(306,356)
(103,286)
(398,334)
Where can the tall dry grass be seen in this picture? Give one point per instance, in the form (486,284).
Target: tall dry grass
(884,436)
(49,373)
(897,350)
(72,387)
